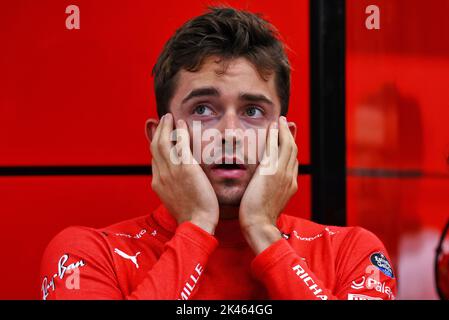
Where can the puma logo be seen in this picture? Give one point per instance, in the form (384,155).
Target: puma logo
(125,256)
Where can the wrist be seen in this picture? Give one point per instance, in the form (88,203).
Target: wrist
(207,226)
(261,236)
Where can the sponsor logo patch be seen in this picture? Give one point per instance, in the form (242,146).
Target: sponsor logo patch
(381,262)
(373,284)
(49,284)
(352,296)
(309,282)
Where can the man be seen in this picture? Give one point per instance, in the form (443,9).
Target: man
(220,233)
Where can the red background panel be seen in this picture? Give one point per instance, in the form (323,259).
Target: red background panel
(397,115)
(397,126)
(82,96)
(409,27)
(35,209)
(397,109)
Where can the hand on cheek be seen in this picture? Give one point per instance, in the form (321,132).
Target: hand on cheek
(182,185)
(270,190)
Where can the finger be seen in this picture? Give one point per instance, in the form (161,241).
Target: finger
(272,147)
(154,173)
(161,162)
(165,142)
(155,141)
(270,161)
(295,176)
(293,161)
(294,148)
(295,171)
(183,142)
(285,142)
(157,133)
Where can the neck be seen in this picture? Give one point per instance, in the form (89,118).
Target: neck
(229,212)
(228,231)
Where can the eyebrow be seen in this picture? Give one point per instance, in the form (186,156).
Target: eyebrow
(211,91)
(201,92)
(255,98)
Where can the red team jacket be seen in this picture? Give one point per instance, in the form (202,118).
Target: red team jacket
(151,257)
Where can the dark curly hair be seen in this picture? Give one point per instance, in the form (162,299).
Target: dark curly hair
(227,33)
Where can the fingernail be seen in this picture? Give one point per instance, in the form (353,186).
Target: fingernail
(284,119)
(275,125)
(179,123)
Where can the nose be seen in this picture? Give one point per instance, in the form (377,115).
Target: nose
(230,128)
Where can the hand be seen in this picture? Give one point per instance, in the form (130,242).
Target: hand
(182,186)
(266,195)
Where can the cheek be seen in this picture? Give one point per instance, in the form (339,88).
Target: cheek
(252,149)
(261,143)
(253,143)
(205,145)
(178,115)
(254,124)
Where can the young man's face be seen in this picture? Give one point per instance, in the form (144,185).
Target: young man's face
(236,97)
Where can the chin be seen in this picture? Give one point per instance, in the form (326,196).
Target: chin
(230,196)
(229,201)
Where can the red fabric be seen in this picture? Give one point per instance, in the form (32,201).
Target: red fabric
(152,258)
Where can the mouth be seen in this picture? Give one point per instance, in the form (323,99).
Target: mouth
(229,171)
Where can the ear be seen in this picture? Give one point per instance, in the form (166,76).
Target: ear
(150,128)
(292,127)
